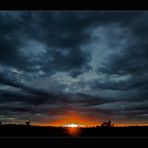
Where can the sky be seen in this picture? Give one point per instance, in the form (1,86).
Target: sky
(84,67)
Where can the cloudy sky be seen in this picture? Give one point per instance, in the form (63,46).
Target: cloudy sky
(74,66)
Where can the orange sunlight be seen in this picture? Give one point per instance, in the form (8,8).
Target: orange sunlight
(74,118)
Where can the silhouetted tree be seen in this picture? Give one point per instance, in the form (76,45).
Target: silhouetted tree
(28,123)
(0,123)
(107,123)
(103,124)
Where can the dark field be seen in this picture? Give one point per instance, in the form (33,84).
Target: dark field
(35,131)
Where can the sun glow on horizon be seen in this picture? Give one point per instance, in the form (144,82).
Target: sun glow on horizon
(75,118)
(73,125)
(73,129)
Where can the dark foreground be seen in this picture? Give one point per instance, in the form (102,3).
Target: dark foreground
(34,131)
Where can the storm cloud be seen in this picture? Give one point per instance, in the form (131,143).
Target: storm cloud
(91,62)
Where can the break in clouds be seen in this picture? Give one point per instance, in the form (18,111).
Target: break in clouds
(91,62)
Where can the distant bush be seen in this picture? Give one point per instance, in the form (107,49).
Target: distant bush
(107,124)
(28,123)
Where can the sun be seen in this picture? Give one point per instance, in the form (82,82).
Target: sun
(72,129)
(71,125)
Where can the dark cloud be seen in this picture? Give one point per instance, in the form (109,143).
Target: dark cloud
(94,62)
(10,40)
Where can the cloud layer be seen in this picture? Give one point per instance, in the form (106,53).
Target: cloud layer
(91,62)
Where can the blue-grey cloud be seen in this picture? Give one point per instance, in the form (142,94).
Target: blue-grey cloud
(93,62)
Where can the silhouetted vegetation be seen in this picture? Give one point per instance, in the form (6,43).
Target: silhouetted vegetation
(28,123)
(99,131)
(107,124)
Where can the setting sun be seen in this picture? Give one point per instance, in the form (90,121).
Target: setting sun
(72,129)
(72,125)
(74,119)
